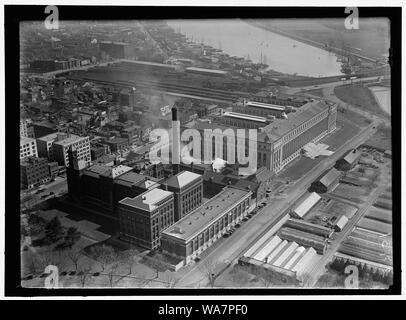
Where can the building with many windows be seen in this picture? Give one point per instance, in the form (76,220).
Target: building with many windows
(188,192)
(143,217)
(28,148)
(63,143)
(33,172)
(278,143)
(200,229)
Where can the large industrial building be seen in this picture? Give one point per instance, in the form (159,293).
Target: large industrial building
(143,217)
(188,190)
(201,228)
(278,142)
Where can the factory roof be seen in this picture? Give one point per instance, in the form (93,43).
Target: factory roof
(206,70)
(201,218)
(265,105)
(244,116)
(279,127)
(148,201)
(49,137)
(108,171)
(307,204)
(149,63)
(330,177)
(352,156)
(72,138)
(182,179)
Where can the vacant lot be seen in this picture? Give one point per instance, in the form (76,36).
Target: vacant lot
(382,139)
(360,97)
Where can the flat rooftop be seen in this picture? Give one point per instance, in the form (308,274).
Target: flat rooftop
(265,105)
(199,219)
(279,127)
(148,201)
(182,179)
(108,171)
(25,140)
(244,116)
(69,140)
(49,137)
(206,70)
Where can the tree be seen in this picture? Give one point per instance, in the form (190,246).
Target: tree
(75,256)
(113,272)
(103,254)
(208,269)
(84,273)
(54,229)
(72,236)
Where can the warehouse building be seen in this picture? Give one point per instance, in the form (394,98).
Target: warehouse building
(309,227)
(327,182)
(304,239)
(143,217)
(262,109)
(280,141)
(348,161)
(188,192)
(201,228)
(242,120)
(304,206)
(341,223)
(207,72)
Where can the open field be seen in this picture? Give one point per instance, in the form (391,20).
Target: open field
(360,97)
(382,139)
(351,193)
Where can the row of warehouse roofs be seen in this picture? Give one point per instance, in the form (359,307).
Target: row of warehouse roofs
(282,255)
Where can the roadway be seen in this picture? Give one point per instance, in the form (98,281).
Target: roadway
(232,248)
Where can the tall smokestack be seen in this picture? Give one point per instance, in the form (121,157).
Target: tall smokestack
(175,141)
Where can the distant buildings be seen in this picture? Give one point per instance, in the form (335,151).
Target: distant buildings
(28,148)
(119,50)
(143,217)
(201,228)
(23,128)
(33,172)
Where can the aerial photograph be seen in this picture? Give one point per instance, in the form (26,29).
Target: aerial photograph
(206,154)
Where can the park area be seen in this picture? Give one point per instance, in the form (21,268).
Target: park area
(360,97)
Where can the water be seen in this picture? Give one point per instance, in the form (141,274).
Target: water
(237,38)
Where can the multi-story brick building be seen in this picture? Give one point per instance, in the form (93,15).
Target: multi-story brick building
(188,192)
(143,217)
(33,172)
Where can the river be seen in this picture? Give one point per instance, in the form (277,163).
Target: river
(282,54)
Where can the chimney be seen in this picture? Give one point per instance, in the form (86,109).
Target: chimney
(175,141)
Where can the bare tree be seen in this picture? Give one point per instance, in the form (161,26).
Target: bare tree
(112,273)
(209,270)
(84,272)
(171,280)
(128,259)
(75,256)
(104,255)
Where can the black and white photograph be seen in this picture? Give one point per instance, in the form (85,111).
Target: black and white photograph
(237,150)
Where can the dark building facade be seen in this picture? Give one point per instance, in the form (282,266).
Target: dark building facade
(33,172)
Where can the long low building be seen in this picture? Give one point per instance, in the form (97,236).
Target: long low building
(309,227)
(194,233)
(300,210)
